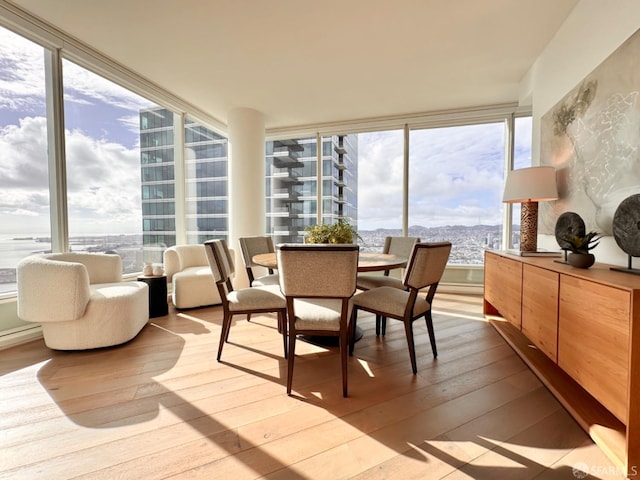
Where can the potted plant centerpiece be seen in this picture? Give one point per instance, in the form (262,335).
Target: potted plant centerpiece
(580,246)
(341,232)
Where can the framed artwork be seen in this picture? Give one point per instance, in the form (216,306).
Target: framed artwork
(592,138)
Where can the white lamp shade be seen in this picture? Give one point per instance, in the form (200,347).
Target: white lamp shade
(533,184)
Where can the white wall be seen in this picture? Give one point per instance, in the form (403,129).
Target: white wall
(590,34)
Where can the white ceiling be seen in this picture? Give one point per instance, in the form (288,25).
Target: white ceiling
(303,62)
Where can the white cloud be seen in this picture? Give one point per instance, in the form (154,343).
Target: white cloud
(103,180)
(80,81)
(455,177)
(21,73)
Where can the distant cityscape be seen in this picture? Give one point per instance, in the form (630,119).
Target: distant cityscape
(469,244)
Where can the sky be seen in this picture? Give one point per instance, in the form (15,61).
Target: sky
(455,173)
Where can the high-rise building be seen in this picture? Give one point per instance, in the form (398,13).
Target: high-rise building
(205,187)
(292,184)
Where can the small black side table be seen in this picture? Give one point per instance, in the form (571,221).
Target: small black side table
(158,306)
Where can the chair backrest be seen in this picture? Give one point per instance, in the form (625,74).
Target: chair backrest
(101,267)
(318,270)
(400,246)
(251,246)
(220,260)
(426,264)
(179,257)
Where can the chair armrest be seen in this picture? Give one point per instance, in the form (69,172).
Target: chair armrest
(172,264)
(51,290)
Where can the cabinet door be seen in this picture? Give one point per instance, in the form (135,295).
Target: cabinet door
(503,287)
(593,340)
(540,309)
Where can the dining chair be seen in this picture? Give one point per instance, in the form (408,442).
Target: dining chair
(400,246)
(251,246)
(318,281)
(425,268)
(267,299)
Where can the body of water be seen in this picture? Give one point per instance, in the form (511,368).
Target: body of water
(14,248)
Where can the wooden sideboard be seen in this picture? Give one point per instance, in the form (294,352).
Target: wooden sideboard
(579,331)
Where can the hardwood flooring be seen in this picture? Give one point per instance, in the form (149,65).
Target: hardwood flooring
(162,407)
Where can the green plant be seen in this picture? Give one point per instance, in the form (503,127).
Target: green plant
(341,232)
(583,243)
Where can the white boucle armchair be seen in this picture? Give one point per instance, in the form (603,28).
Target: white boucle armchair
(187,269)
(80,300)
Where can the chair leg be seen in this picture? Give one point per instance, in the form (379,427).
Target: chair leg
(343,358)
(412,349)
(378,319)
(292,354)
(352,330)
(282,323)
(432,335)
(383,327)
(228,329)
(224,334)
(248,317)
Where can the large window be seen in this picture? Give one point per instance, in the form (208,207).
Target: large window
(291,187)
(24,181)
(380,181)
(104,194)
(456,177)
(206,177)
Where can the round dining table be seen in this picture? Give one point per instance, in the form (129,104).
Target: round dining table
(367,262)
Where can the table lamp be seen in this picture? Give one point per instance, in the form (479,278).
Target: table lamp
(529,186)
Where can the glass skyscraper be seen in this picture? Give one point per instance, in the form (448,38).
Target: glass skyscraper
(291,183)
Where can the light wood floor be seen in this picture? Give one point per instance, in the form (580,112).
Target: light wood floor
(162,407)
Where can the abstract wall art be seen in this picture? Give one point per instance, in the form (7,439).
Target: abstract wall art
(592,138)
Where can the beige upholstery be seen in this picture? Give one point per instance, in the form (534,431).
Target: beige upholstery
(425,268)
(251,246)
(318,281)
(80,300)
(189,273)
(243,301)
(401,246)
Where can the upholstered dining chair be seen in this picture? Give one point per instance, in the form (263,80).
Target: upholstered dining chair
(249,300)
(251,246)
(400,246)
(425,269)
(318,281)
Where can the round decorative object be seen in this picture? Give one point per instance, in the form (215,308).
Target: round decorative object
(581,260)
(626,225)
(568,225)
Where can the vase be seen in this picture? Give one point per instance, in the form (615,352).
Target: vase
(158,270)
(148,269)
(581,260)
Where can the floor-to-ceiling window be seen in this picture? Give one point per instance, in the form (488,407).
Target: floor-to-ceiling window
(380,187)
(24,179)
(456,177)
(102,139)
(291,187)
(157,164)
(206,183)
